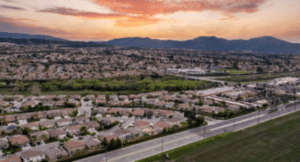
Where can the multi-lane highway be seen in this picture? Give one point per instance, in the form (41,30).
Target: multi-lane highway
(156,146)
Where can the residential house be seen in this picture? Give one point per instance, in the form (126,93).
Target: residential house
(173,121)
(72,101)
(29,104)
(122,103)
(57,133)
(100,110)
(73,147)
(123,98)
(33,156)
(107,121)
(207,102)
(159,126)
(19,140)
(34,126)
(133,96)
(91,126)
(156,94)
(151,102)
(101,97)
(39,136)
(113,111)
(109,137)
(169,105)
(125,112)
(138,112)
(134,131)
(74,130)
(123,134)
(10,119)
(4,103)
(100,102)
(92,143)
(63,122)
(113,98)
(141,124)
(56,114)
(82,119)
(3,143)
(165,113)
(11,159)
(22,118)
(75,97)
(49,104)
(234,108)
(62,97)
(47,124)
(56,153)
(114,102)
(50,97)
(59,104)
(183,106)
(160,104)
(90,97)
(66,112)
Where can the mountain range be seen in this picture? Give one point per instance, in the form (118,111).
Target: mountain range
(265,44)
(28,36)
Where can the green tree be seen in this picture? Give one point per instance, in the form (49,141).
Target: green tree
(119,143)
(104,142)
(112,145)
(200,120)
(26,131)
(83,130)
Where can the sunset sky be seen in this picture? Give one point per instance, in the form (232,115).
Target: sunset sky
(99,20)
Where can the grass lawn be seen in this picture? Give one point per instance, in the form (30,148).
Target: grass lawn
(276,140)
(184,123)
(235,71)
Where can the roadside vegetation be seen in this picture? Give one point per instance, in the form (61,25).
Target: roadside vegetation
(258,77)
(235,71)
(275,140)
(124,85)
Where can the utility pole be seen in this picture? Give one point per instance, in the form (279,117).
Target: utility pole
(106,155)
(204,131)
(258,116)
(162,144)
(234,125)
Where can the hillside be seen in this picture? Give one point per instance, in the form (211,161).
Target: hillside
(28,36)
(261,44)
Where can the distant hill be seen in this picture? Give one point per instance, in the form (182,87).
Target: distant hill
(63,43)
(262,44)
(27,36)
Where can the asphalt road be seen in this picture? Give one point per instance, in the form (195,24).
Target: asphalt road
(149,148)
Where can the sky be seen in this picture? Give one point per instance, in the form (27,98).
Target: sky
(101,20)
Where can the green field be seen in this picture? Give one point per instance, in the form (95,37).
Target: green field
(276,140)
(235,71)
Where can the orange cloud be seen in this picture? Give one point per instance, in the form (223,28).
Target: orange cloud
(152,7)
(24,26)
(122,19)
(137,21)
(78,13)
